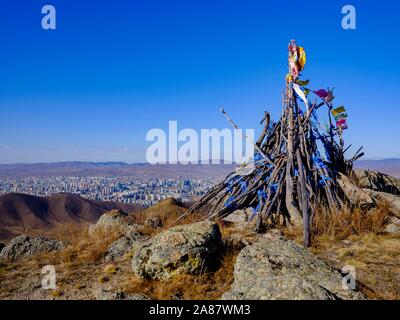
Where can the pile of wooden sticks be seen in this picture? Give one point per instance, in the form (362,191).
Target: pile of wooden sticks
(289,178)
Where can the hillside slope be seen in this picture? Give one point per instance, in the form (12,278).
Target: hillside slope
(21,213)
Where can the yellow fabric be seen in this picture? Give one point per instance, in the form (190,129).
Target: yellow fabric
(302,58)
(338,111)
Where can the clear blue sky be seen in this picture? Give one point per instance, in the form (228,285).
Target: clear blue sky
(112,70)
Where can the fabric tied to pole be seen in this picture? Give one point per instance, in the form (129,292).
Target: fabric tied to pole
(243,186)
(323,181)
(229,202)
(273,187)
(302,83)
(231,183)
(258,156)
(338,111)
(300,93)
(341,124)
(318,163)
(322,93)
(229,187)
(254,213)
(261,196)
(341,116)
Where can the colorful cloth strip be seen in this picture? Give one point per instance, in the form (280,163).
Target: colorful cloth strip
(341,116)
(338,111)
(322,93)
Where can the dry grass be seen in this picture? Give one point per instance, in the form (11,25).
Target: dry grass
(375,258)
(110,269)
(86,248)
(328,227)
(208,286)
(350,222)
(163,210)
(170,212)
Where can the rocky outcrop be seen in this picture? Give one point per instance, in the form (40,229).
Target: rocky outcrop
(391,200)
(2,245)
(237,217)
(356,196)
(26,246)
(125,244)
(393,227)
(114,220)
(378,181)
(276,268)
(154,222)
(190,249)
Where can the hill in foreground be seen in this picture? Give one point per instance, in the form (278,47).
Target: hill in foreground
(21,213)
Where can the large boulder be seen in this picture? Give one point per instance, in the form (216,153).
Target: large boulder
(191,249)
(378,181)
(393,227)
(114,220)
(125,244)
(243,220)
(26,246)
(391,200)
(276,268)
(356,196)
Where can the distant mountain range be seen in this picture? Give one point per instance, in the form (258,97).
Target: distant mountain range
(388,166)
(143,170)
(140,170)
(21,213)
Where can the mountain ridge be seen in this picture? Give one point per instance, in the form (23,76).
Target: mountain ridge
(141,170)
(390,166)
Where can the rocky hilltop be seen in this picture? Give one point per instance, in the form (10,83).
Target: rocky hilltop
(154,255)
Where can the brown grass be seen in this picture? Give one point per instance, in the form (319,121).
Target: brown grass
(375,258)
(350,222)
(110,269)
(86,248)
(208,286)
(170,218)
(328,227)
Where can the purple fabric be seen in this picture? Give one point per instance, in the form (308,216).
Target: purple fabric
(321,93)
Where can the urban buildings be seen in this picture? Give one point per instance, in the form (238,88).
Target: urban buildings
(145,192)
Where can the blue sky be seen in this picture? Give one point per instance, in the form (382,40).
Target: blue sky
(112,70)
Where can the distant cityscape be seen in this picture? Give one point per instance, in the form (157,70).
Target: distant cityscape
(130,190)
(140,184)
